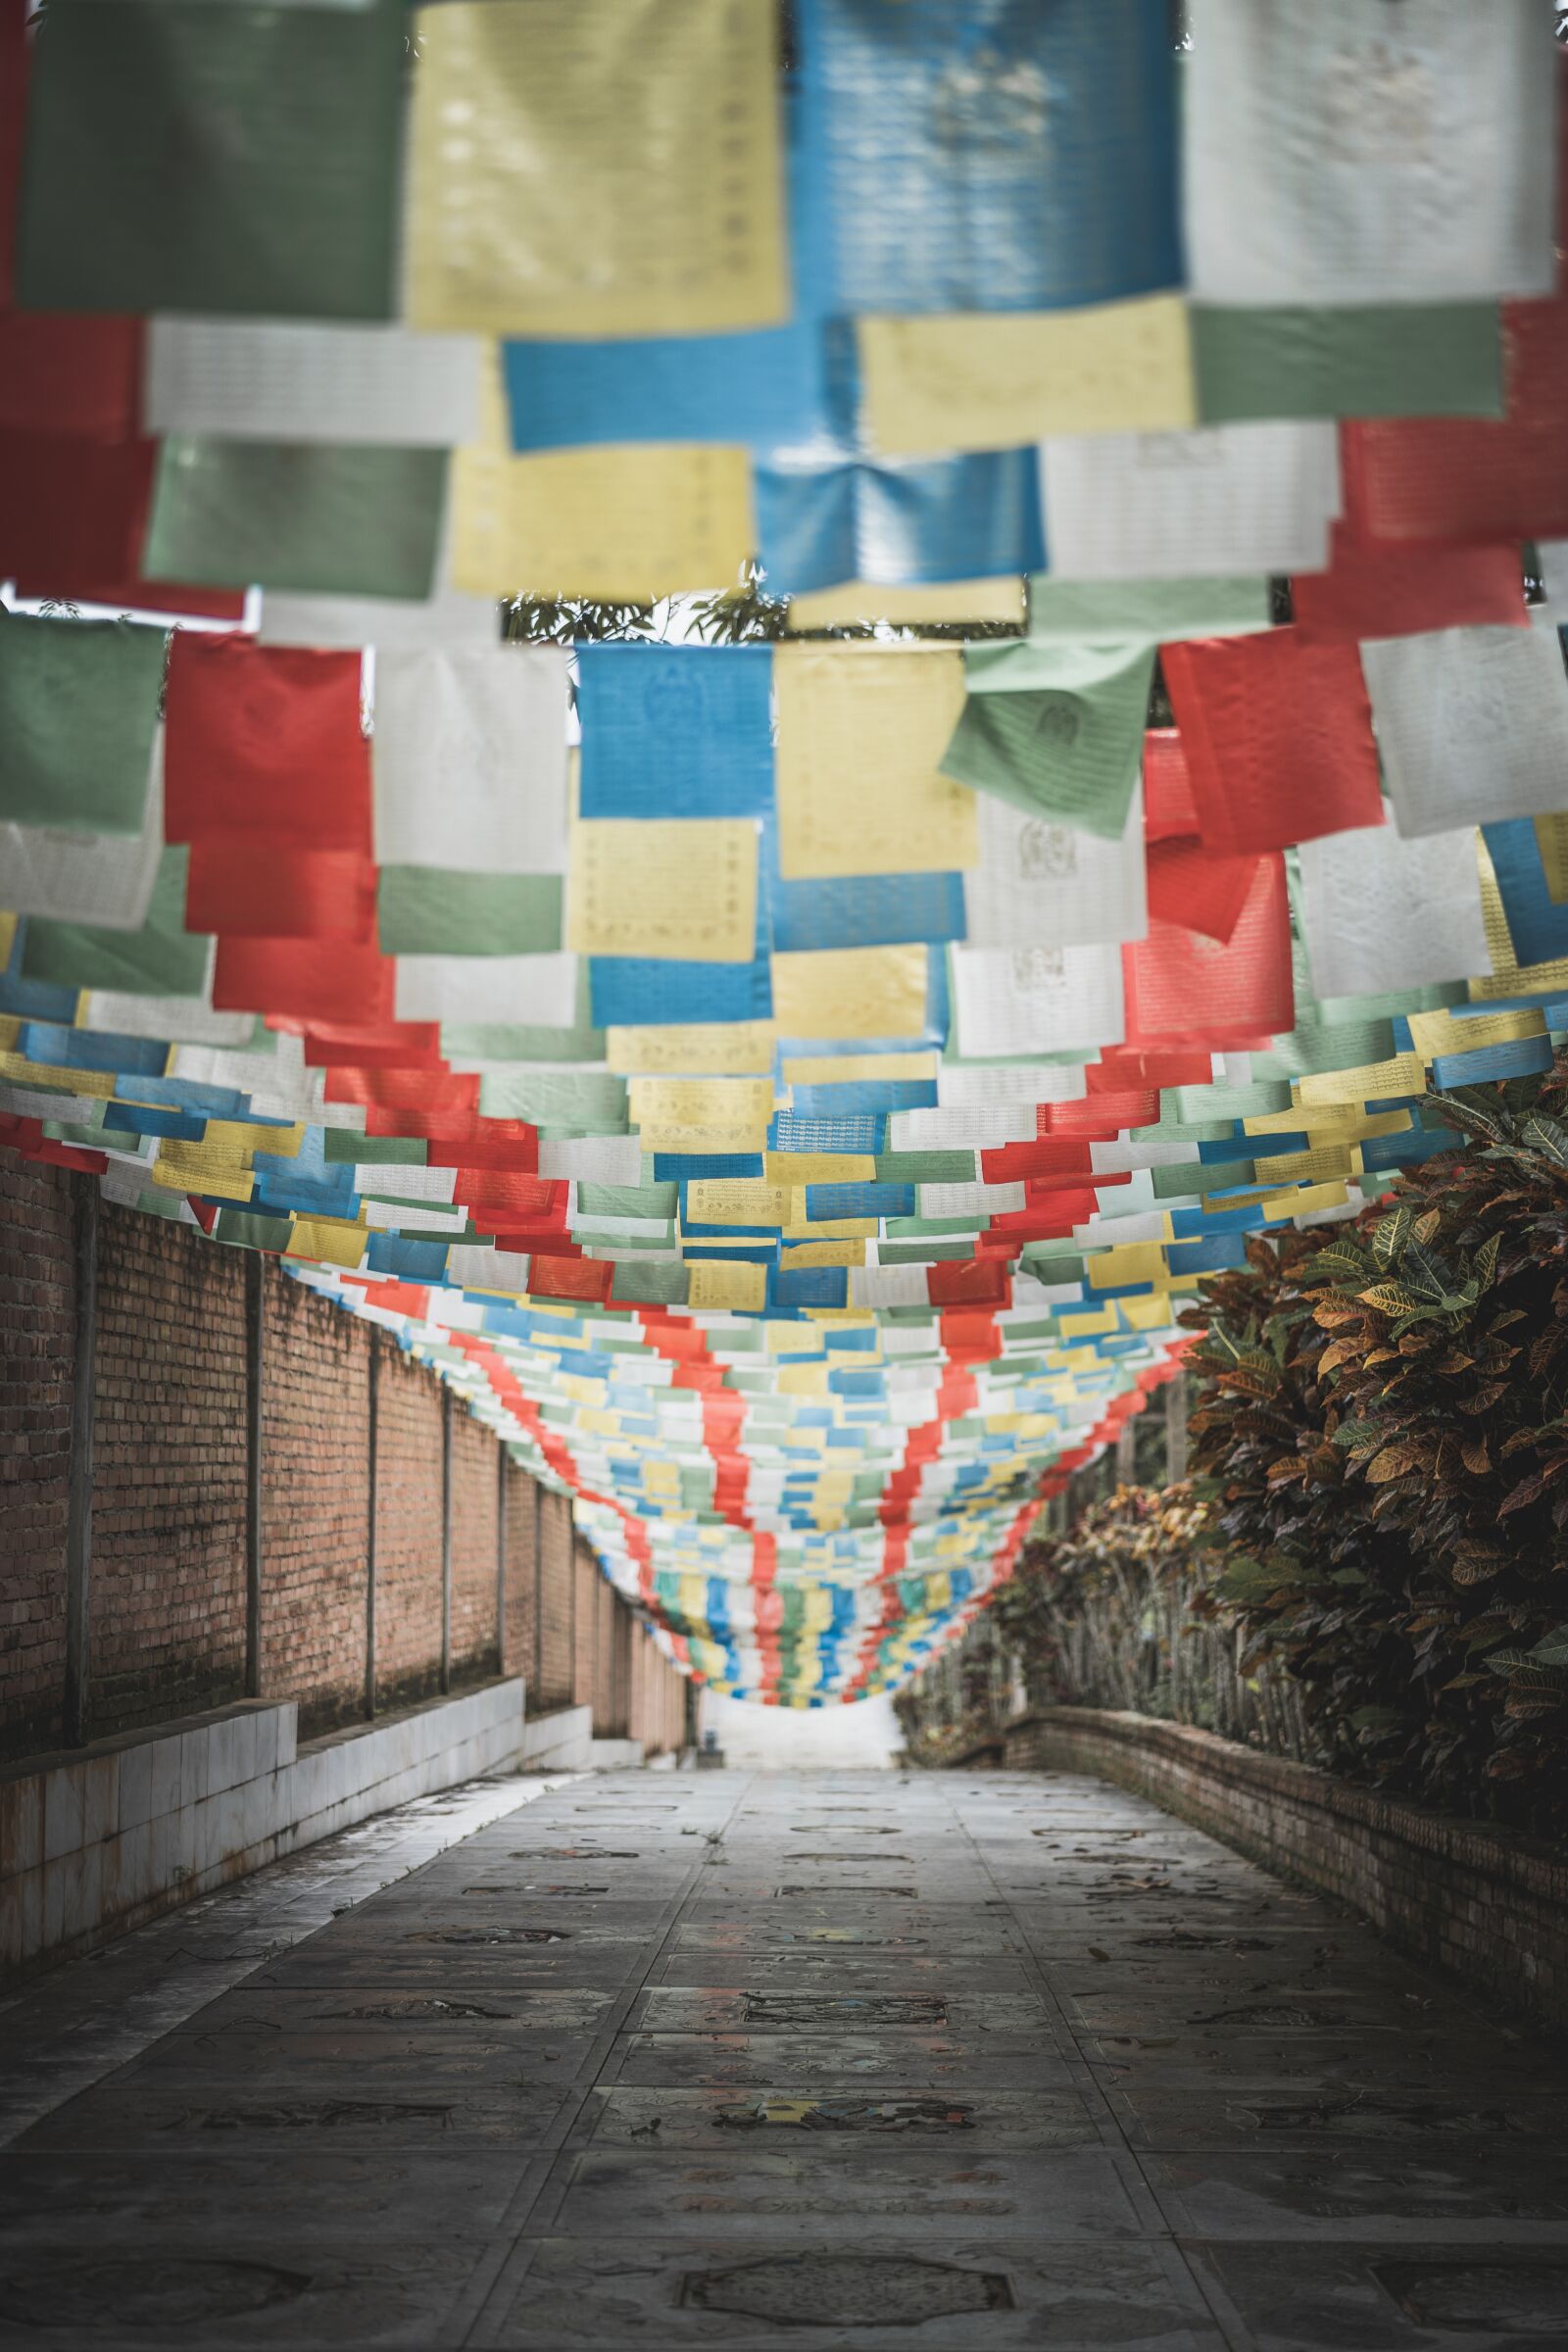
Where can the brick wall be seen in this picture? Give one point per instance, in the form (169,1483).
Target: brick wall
(1486,1905)
(37,1309)
(171,1502)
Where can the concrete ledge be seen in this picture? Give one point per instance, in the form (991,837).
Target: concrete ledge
(98,1840)
(615,1755)
(557,1742)
(1484,1905)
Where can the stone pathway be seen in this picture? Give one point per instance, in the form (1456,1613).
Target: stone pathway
(838,2060)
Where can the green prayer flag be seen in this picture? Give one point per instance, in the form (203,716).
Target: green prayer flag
(161,960)
(1056,729)
(187,157)
(655,1201)
(430,910)
(926,1167)
(1158,611)
(345,1147)
(569,1099)
(1388,360)
(338,518)
(79,711)
(660,1283)
(247,1229)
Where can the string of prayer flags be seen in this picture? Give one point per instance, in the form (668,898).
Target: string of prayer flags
(326,518)
(1278,738)
(78,710)
(1472,724)
(978,157)
(959,518)
(287,127)
(1348,156)
(862,733)
(675,731)
(1379,912)
(270,379)
(1156,611)
(578,174)
(1223,499)
(1056,729)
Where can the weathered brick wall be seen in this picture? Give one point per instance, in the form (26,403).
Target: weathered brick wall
(316,1495)
(169,1459)
(1486,1905)
(169,1522)
(37,1320)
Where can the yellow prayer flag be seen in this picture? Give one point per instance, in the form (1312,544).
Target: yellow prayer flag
(851,991)
(1126,1264)
(695,1048)
(1434,1033)
(733,1284)
(596,167)
(1403,1075)
(622,524)
(327,1239)
(737,1201)
(1321,1166)
(1146,1314)
(743,1103)
(860,734)
(1552,840)
(949,603)
(843,1070)
(832,1229)
(819,1167)
(17,1070)
(1509,977)
(995,378)
(683,887)
(823,1254)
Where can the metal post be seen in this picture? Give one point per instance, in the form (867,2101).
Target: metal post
(538,1590)
(373,1436)
(1127,1452)
(255,1329)
(1176,1428)
(446,1537)
(78,1502)
(500,1558)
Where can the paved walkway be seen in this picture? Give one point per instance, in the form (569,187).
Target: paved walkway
(838,2060)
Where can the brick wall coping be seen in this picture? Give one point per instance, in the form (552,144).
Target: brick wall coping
(1525,1863)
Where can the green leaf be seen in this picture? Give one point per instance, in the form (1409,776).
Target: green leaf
(1392,1237)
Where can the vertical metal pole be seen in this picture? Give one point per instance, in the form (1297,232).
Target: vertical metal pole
(255,1328)
(1176,1428)
(78,1502)
(538,1591)
(1127,1452)
(500,1558)
(372,1436)
(446,1537)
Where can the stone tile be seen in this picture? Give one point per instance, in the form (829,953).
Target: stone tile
(937,2061)
(742,2118)
(1460,2192)
(304,2113)
(1396,2297)
(63,2199)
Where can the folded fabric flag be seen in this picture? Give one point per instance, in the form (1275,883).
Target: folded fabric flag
(1156,611)
(305,980)
(100,878)
(1472,724)
(1056,729)
(991,379)
(862,731)
(1462,478)
(1198,888)
(955,603)
(1044,885)
(675,731)
(682,889)
(78,712)
(159,959)
(982,157)
(469,760)
(1035,999)
(1348,156)
(1538,925)
(182,160)
(1381,913)
(611,175)
(1180,983)
(333,518)
(1405,360)
(430,910)
(270,890)
(271,379)
(265,743)
(853,991)
(1169,809)
(1158,506)
(945,519)
(1278,738)
(1391,591)
(860,910)
(622,524)
(768,389)
(446,618)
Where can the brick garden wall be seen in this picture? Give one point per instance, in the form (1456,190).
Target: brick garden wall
(1481,1903)
(171,1502)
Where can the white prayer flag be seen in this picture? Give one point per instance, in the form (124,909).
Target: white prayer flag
(1472,724)
(272,379)
(470,760)
(1044,885)
(1381,914)
(1037,1000)
(1221,498)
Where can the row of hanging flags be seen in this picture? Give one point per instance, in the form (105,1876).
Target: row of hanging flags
(789,1089)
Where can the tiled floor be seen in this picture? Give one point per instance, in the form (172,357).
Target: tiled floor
(947,2061)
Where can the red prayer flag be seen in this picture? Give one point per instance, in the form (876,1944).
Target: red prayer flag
(262,889)
(1168,805)
(1178,982)
(264,742)
(1278,736)
(1380,591)
(1197,888)
(303,979)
